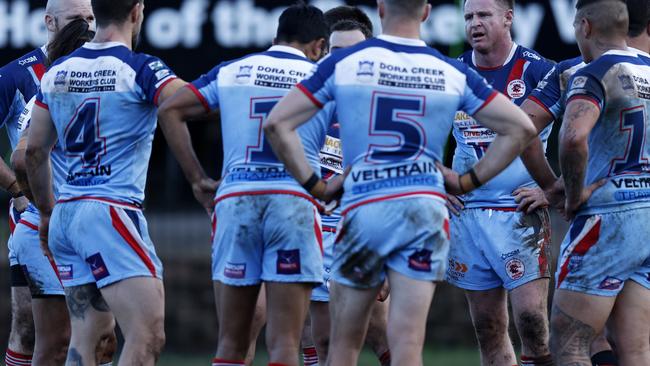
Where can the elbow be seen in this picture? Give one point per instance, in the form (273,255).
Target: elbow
(572,143)
(18,161)
(271,126)
(33,156)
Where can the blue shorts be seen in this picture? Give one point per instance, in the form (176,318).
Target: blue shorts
(601,252)
(14,217)
(94,242)
(40,272)
(322,292)
(268,237)
(408,235)
(495,248)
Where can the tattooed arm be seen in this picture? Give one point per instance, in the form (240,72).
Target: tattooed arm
(580,118)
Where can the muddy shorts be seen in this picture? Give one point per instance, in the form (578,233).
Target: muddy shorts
(497,248)
(601,252)
(270,238)
(407,235)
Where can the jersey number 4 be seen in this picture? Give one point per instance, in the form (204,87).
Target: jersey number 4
(82,138)
(260,108)
(392,116)
(633,121)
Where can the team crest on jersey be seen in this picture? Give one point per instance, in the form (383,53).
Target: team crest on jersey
(516,89)
(244,74)
(515,269)
(288,262)
(366,71)
(59,79)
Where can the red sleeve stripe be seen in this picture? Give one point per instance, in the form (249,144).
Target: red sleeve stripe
(160,89)
(539,103)
(198,94)
(584,97)
(41,104)
(488,100)
(309,95)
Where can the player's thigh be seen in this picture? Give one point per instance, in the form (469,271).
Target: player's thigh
(489,311)
(237,307)
(321,293)
(518,246)
(51,320)
(22,322)
(468,267)
(319,312)
(578,317)
(238,245)
(287,304)
(530,304)
(115,247)
(631,318)
(292,241)
(409,307)
(408,235)
(601,252)
(90,315)
(39,270)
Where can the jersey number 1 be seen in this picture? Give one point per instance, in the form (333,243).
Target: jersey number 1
(260,109)
(633,121)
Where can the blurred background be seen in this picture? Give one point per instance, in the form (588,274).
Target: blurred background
(193,36)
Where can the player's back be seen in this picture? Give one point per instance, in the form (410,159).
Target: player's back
(395,100)
(516,78)
(550,92)
(245,91)
(19,82)
(619,84)
(102,99)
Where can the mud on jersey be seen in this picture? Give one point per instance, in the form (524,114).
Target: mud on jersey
(520,74)
(245,91)
(618,83)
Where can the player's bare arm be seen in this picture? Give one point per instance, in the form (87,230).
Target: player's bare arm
(515,131)
(280,130)
(19,166)
(579,120)
(173,113)
(42,138)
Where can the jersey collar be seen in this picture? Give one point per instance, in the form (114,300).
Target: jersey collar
(102,45)
(513,51)
(638,52)
(402,40)
(287,49)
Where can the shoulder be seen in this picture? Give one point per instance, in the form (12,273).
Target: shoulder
(21,65)
(466,57)
(602,65)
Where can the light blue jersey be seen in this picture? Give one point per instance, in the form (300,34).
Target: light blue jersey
(245,91)
(396,100)
(102,99)
(619,84)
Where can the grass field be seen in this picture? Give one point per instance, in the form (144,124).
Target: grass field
(432,357)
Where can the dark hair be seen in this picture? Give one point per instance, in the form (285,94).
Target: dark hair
(639,12)
(609,18)
(508,4)
(346,12)
(109,12)
(351,25)
(410,8)
(68,39)
(302,23)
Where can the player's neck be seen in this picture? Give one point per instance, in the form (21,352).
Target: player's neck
(641,43)
(601,46)
(113,33)
(399,27)
(495,57)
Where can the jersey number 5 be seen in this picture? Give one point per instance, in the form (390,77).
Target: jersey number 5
(82,138)
(392,116)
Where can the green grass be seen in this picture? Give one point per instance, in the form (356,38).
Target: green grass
(432,357)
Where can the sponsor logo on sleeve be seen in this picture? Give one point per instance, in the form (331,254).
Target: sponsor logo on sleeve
(515,269)
(579,82)
(162,74)
(288,262)
(156,65)
(28,60)
(97,266)
(235,270)
(65,272)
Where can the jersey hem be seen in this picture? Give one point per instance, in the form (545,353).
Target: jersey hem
(267,192)
(544,107)
(392,197)
(111,202)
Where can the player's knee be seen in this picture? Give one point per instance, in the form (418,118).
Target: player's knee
(534,330)
(631,342)
(490,330)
